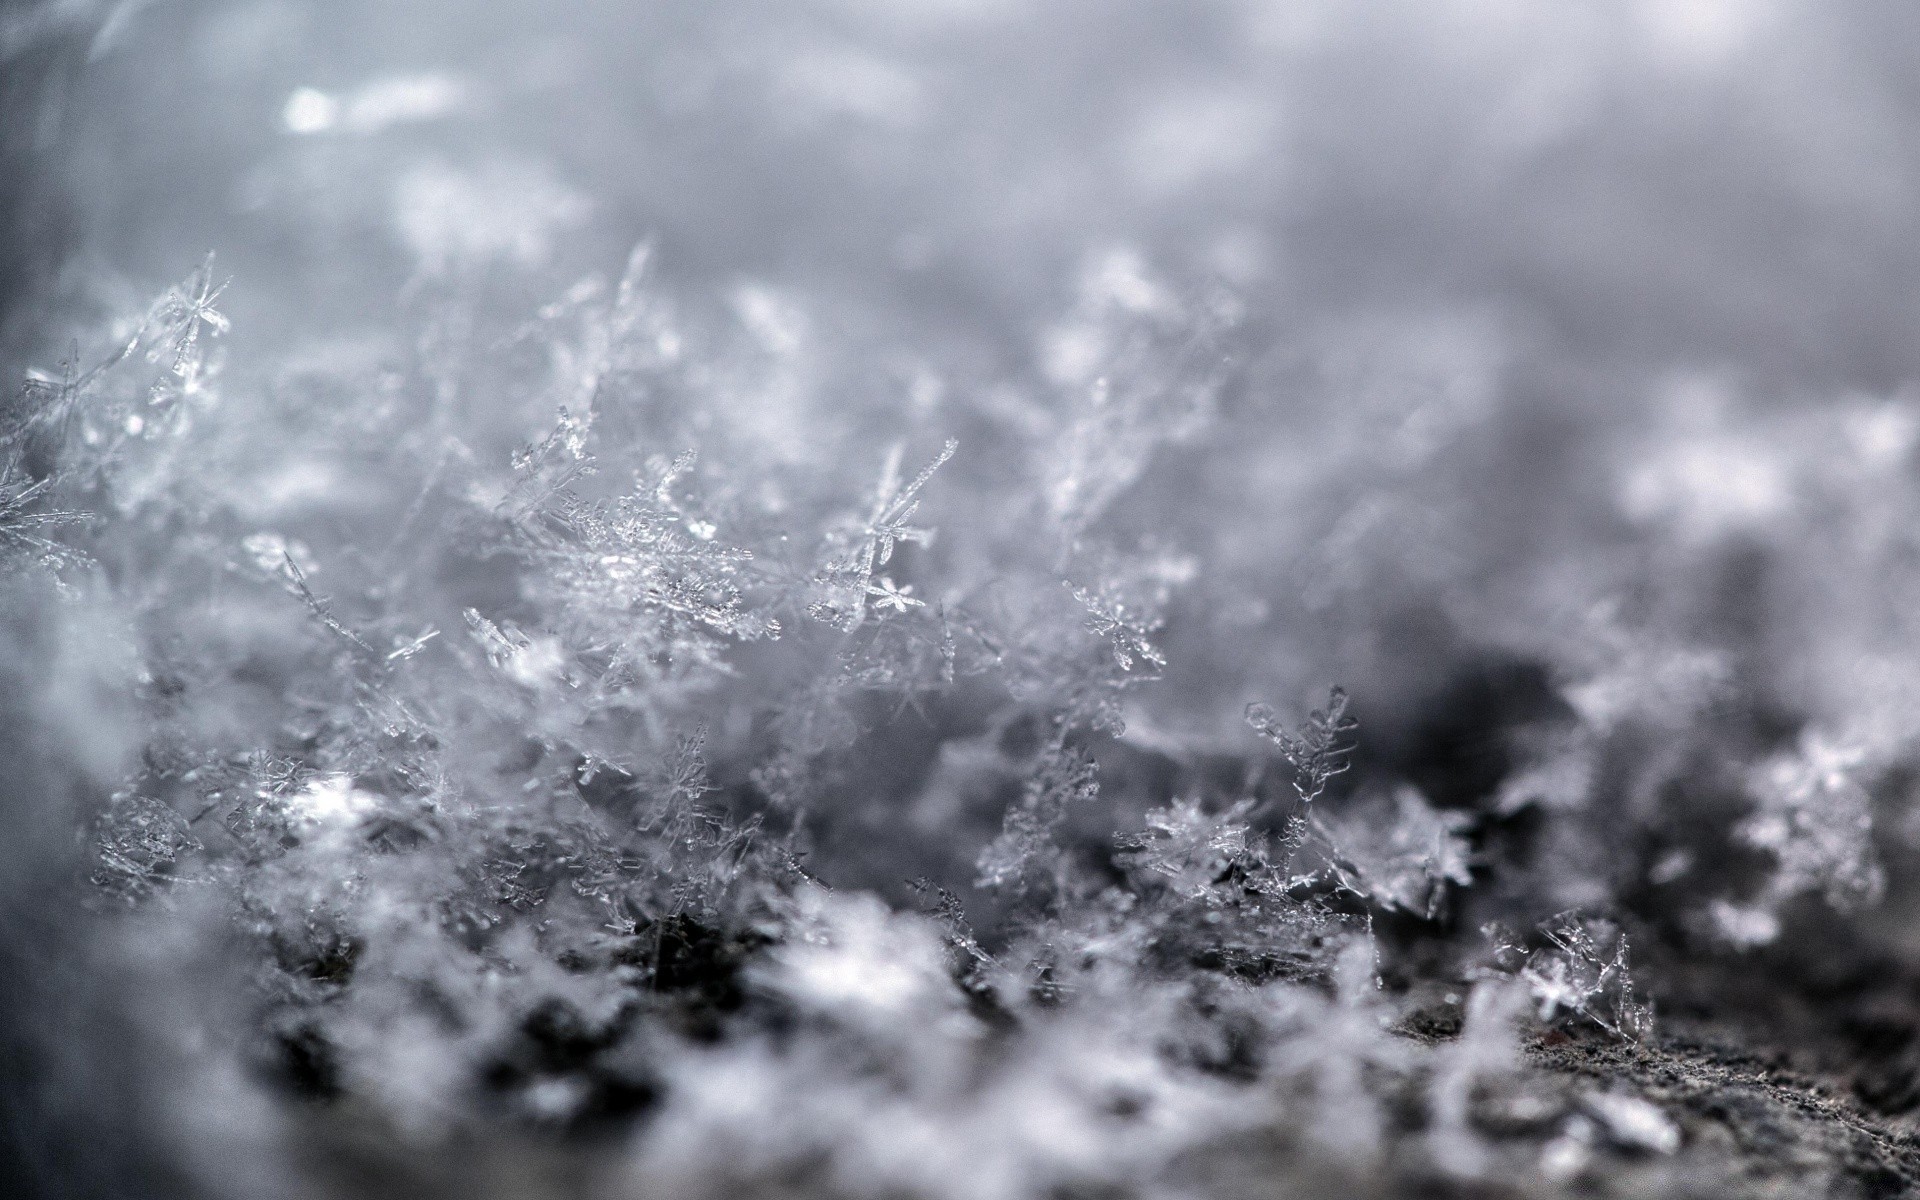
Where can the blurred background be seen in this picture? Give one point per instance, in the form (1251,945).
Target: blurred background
(1621,189)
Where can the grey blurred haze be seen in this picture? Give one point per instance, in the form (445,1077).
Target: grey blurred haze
(1626,186)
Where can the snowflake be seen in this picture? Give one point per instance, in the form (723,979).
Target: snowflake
(1025,855)
(1322,748)
(405,648)
(1815,816)
(1213,858)
(1581,971)
(846,580)
(140,842)
(22,520)
(1124,628)
(184,313)
(887,595)
(1403,860)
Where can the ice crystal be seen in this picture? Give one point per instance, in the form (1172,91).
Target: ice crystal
(646,598)
(552,855)
(184,315)
(319,606)
(1319,751)
(1581,971)
(496,659)
(1403,858)
(1813,815)
(888,594)
(854,552)
(1142,369)
(1126,631)
(1214,858)
(25,521)
(572,870)
(140,845)
(1026,856)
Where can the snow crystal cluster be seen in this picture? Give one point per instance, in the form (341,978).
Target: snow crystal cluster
(519,681)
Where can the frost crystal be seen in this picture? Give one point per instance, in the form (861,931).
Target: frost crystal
(853,554)
(140,843)
(1813,815)
(1581,971)
(1026,857)
(1403,859)
(1125,630)
(559,883)
(1319,751)
(1215,859)
(25,522)
(183,315)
